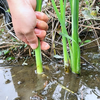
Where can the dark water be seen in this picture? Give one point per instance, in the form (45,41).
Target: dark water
(22,82)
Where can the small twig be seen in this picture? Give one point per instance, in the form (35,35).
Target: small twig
(5,24)
(6,46)
(91,27)
(90,63)
(11,43)
(46,56)
(90,42)
(65,88)
(54,41)
(93,3)
(89,47)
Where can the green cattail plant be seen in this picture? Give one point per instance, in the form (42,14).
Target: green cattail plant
(74,58)
(38,49)
(61,18)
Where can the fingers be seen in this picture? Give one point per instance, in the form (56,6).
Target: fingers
(41,25)
(32,39)
(41,16)
(22,37)
(44,45)
(40,33)
(41,20)
(32,43)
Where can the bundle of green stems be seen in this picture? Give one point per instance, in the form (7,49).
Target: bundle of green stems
(71,59)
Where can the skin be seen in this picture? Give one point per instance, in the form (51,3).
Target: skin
(28,23)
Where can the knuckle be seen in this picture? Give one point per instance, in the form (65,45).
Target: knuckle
(32,40)
(23,31)
(26,31)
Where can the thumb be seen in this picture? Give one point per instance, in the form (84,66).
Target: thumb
(32,40)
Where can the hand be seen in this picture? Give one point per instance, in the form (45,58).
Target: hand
(29,24)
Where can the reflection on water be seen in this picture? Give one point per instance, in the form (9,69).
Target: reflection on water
(7,89)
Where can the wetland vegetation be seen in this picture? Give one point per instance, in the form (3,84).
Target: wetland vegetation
(18,78)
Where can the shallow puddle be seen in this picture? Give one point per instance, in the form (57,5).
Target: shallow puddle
(22,83)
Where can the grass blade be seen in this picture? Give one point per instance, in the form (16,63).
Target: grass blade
(56,10)
(61,18)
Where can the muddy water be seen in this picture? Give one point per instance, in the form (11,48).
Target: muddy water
(22,83)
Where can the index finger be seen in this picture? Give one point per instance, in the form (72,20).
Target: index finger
(41,16)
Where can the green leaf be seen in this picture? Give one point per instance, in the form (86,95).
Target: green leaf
(71,4)
(61,8)
(2,30)
(20,47)
(87,41)
(79,40)
(8,10)
(13,39)
(5,52)
(10,58)
(87,3)
(25,45)
(81,44)
(67,36)
(64,10)
(15,49)
(56,10)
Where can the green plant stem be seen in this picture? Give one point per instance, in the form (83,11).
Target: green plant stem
(38,49)
(38,57)
(75,56)
(61,18)
(65,52)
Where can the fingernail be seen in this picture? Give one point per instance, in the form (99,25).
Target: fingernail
(33,46)
(47,46)
(38,13)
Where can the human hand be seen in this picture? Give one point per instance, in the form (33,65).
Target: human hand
(29,24)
